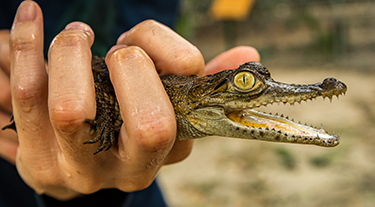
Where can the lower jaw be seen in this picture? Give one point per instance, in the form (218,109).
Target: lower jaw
(289,130)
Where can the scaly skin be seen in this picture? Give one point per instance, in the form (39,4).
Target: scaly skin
(220,105)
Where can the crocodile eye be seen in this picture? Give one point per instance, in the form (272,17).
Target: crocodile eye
(244,81)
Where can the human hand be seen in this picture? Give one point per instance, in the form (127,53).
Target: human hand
(49,110)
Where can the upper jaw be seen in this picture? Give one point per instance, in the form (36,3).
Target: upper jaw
(277,92)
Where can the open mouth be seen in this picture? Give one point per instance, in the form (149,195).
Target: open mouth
(281,129)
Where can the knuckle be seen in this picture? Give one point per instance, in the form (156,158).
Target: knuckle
(67,116)
(148,23)
(180,151)
(86,187)
(71,38)
(27,95)
(156,133)
(145,29)
(188,59)
(140,184)
(25,42)
(41,177)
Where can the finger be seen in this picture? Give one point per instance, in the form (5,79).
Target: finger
(5,95)
(71,88)
(180,151)
(171,53)
(4,51)
(148,115)
(29,80)
(232,58)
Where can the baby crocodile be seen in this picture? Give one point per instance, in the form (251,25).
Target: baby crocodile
(219,105)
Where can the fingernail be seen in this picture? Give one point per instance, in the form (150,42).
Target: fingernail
(26,11)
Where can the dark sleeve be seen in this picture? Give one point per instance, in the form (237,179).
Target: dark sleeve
(14,193)
(149,197)
(8,10)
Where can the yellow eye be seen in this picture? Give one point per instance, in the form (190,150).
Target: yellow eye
(244,81)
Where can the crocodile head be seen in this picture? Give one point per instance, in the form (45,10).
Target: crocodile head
(223,105)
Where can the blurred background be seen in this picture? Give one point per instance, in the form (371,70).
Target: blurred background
(300,41)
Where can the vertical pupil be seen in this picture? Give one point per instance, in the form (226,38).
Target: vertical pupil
(244,80)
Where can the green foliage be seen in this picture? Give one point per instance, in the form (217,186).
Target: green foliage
(287,158)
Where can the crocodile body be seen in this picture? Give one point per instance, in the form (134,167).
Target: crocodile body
(220,105)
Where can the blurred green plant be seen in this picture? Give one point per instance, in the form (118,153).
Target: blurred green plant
(287,158)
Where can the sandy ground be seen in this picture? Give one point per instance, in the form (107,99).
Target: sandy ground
(232,172)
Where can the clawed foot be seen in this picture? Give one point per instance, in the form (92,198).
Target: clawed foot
(104,132)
